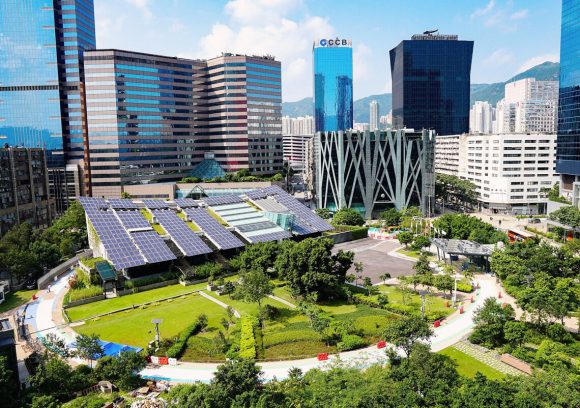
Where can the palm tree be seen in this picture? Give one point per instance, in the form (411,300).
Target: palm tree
(384,277)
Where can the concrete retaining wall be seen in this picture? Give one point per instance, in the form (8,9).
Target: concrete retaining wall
(64,267)
(84,301)
(147,287)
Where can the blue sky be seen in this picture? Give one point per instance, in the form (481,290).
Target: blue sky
(510,35)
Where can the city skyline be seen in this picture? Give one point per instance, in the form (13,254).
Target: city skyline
(502,31)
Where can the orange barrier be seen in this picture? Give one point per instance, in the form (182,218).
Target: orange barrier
(381,344)
(322,356)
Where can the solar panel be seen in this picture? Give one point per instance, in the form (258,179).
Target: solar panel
(256,226)
(229,199)
(152,246)
(119,248)
(256,194)
(185,202)
(122,203)
(188,242)
(303,212)
(216,232)
(91,204)
(273,236)
(132,219)
(156,204)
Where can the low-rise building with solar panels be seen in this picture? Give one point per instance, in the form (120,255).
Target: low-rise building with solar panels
(151,236)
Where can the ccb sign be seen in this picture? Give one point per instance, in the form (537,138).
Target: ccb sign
(333,42)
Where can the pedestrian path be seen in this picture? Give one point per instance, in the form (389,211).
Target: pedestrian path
(218,302)
(487,357)
(279,299)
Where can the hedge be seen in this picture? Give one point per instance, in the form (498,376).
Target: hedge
(136,283)
(247,339)
(464,287)
(204,271)
(84,293)
(177,348)
(350,342)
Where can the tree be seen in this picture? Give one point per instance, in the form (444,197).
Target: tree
(538,299)
(235,379)
(8,381)
(489,322)
(444,283)
(53,378)
(384,277)
(422,265)
(452,189)
(515,332)
(310,267)
(368,284)
(391,217)
(121,370)
(407,331)
(260,257)
(358,271)
(56,346)
(405,237)
(420,242)
(568,215)
(348,216)
(564,298)
(89,347)
(254,286)
(323,213)
(44,401)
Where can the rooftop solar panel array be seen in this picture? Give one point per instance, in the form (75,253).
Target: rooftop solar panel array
(274,236)
(156,204)
(188,242)
(122,203)
(90,203)
(132,219)
(216,232)
(256,194)
(229,199)
(152,246)
(120,250)
(185,202)
(256,226)
(303,212)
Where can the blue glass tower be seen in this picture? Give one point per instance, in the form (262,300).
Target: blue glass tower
(431,81)
(568,150)
(41,49)
(333,104)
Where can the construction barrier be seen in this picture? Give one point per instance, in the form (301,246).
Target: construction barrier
(322,356)
(381,344)
(437,323)
(461,310)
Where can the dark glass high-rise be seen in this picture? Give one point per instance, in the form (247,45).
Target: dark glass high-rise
(333,105)
(431,81)
(41,49)
(568,142)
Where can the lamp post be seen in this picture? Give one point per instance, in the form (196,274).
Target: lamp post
(157,322)
(454,299)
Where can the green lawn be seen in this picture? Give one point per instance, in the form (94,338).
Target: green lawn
(468,366)
(15,299)
(133,327)
(415,254)
(158,228)
(109,305)
(433,303)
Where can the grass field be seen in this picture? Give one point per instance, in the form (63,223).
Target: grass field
(15,299)
(433,303)
(468,366)
(109,305)
(133,327)
(415,254)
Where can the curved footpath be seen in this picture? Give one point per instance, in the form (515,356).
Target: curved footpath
(44,316)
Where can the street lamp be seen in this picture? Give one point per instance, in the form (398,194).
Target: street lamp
(157,322)
(454,299)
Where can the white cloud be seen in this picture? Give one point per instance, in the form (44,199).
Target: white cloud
(483,11)
(265,27)
(360,60)
(532,62)
(520,14)
(143,6)
(499,57)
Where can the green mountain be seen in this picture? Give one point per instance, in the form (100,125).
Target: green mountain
(547,71)
(479,92)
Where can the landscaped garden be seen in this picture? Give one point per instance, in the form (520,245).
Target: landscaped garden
(15,299)
(468,366)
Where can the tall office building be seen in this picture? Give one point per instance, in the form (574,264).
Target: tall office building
(42,43)
(143,116)
(481,117)
(568,154)
(431,81)
(302,125)
(333,104)
(374,114)
(244,108)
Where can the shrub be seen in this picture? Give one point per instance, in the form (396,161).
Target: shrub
(464,287)
(247,339)
(558,333)
(348,216)
(350,342)
(203,271)
(84,293)
(177,348)
(269,312)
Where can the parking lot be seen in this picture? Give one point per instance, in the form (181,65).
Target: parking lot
(375,258)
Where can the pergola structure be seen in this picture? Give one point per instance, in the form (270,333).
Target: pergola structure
(107,274)
(468,249)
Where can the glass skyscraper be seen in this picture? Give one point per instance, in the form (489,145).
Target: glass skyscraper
(431,81)
(333,106)
(568,151)
(41,49)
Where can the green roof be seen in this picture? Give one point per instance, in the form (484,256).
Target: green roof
(105,271)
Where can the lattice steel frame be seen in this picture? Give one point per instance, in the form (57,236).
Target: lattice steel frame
(394,169)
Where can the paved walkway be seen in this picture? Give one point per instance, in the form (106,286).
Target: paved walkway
(487,357)
(219,302)
(279,299)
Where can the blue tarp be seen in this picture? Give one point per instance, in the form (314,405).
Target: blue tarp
(113,349)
